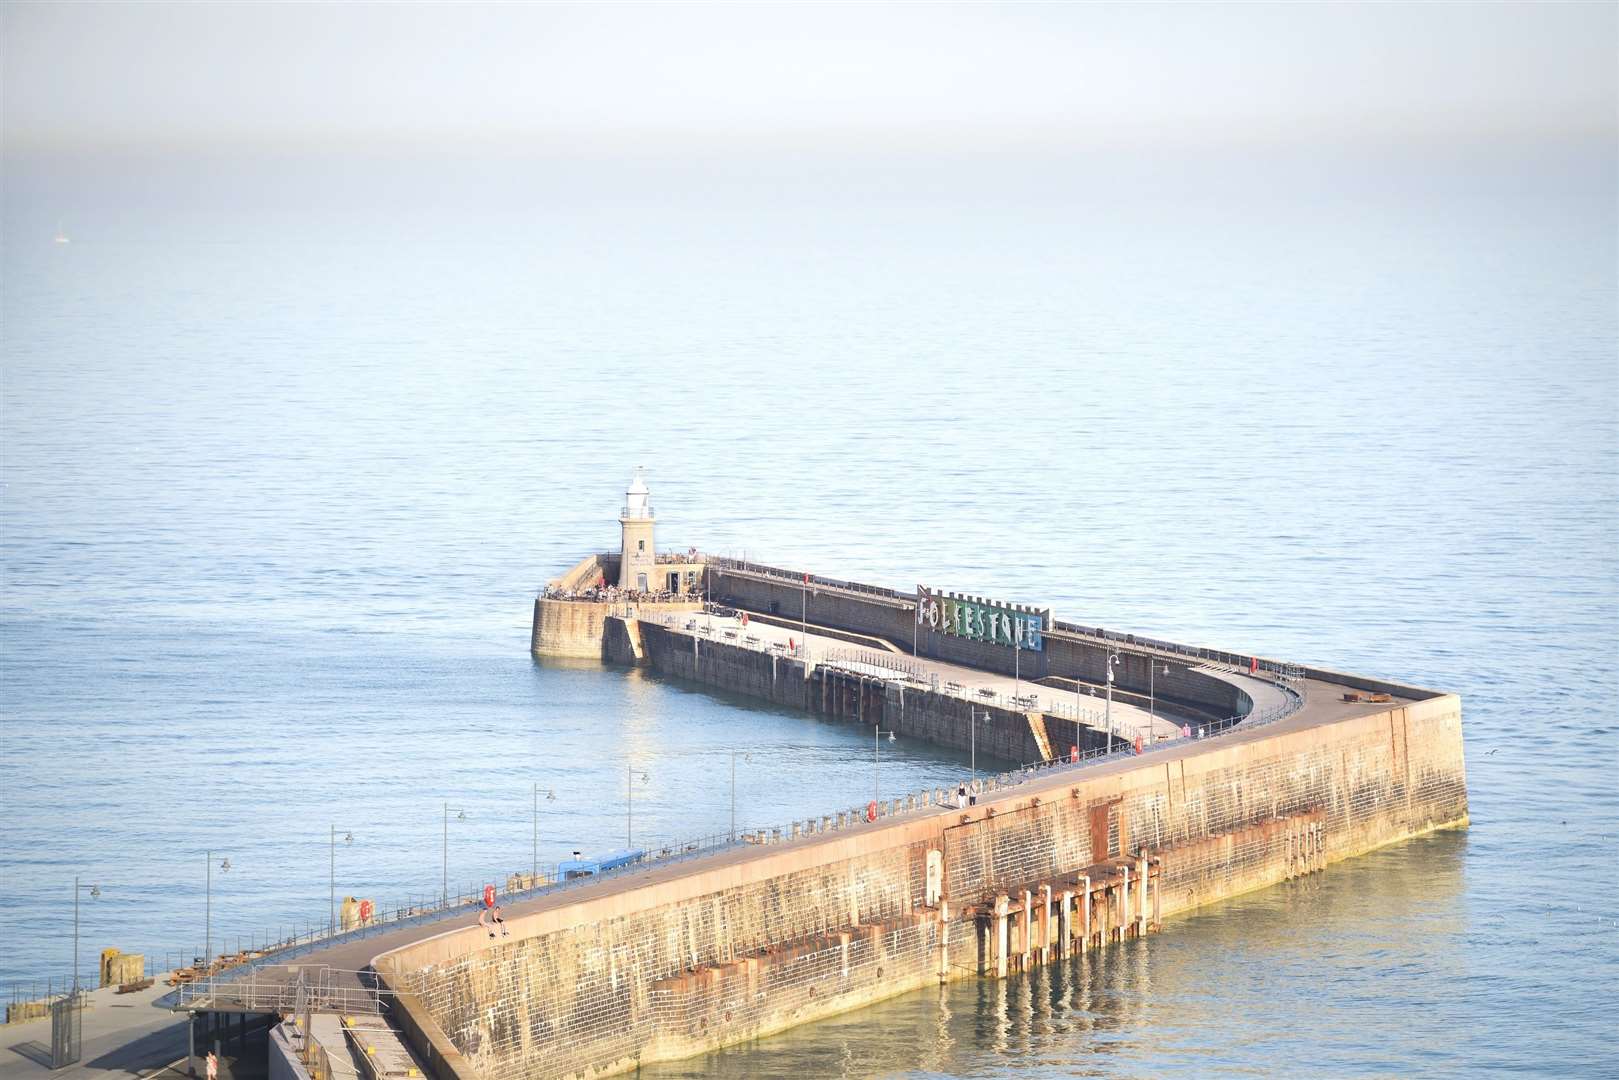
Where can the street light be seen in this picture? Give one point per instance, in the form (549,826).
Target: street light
(208,911)
(550,796)
(876,755)
(1152,696)
(95,891)
(629,803)
(972,729)
(1112,658)
(745,758)
(331,880)
(460,815)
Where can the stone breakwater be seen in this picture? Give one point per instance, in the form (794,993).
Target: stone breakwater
(742,944)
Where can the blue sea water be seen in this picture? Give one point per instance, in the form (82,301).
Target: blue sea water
(284,465)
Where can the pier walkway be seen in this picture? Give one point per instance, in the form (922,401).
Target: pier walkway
(969,683)
(254,988)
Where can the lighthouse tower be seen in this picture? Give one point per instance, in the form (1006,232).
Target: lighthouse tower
(638,568)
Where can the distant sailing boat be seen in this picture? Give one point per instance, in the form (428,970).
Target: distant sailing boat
(61,237)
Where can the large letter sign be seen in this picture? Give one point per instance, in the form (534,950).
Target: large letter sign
(1016,626)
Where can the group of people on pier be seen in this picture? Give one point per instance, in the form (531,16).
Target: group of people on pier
(611,594)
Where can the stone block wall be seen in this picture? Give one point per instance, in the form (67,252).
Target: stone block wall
(569,628)
(1066,654)
(744,944)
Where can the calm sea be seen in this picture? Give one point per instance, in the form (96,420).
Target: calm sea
(284,465)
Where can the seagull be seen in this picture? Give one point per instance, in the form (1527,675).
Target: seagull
(1492,753)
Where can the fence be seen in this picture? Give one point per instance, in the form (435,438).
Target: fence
(286,989)
(1098,633)
(257,951)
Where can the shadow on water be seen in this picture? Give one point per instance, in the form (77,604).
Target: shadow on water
(638,678)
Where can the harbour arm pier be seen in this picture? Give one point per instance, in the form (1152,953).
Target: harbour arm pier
(1155,778)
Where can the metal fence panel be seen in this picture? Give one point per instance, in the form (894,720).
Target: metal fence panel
(66,1020)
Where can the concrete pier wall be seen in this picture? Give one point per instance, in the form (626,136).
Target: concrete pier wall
(691,956)
(1066,653)
(569,628)
(1003,734)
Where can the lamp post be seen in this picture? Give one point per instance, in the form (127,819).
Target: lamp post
(629,803)
(1017,667)
(331,880)
(1152,695)
(460,815)
(745,758)
(95,891)
(1112,658)
(972,732)
(208,910)
(550,796)
(876,755)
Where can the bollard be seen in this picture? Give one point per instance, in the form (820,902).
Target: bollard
(794,833)
(826,823)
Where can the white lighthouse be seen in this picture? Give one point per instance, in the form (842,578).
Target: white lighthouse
(637,568)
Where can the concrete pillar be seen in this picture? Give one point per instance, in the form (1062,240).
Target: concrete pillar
(793,834)
(1065,923)
(944,941)
(1028,926)
(1124,906)
(1086,941)
(1045,923)
(1002,941)
(1158,898)
(1141,917)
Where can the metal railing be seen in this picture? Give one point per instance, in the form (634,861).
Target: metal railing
(1098,633)
(796,577)
(256,951)
(288,989)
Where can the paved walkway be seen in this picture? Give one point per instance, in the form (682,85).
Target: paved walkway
(975,684)
(124,1034)
(348,956)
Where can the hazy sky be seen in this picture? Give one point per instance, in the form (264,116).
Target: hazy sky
(943,77)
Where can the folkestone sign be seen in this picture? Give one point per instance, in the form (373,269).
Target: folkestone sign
(976,619)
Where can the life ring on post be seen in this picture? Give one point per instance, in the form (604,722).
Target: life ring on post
(1073,754)
(871,810)
(365,911)
(489,896)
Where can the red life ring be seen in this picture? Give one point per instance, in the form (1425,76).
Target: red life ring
(1138,744)
(489,896)
(365,911)
(1073,753)
(871,810)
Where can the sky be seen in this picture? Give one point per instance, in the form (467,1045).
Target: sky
(865,78)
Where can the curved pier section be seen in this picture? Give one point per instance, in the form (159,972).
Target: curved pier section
(678,960)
